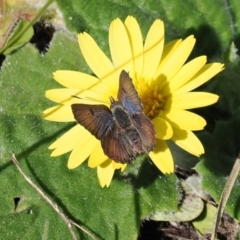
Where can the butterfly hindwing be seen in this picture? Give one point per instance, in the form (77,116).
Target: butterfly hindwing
(97,119)
(128,95)
(117,147)
(146,131)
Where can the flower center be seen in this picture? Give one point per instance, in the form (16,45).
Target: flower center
(152,100)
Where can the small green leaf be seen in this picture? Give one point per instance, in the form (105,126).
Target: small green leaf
(204,223)
(233,53)
(17,40)
(190,206)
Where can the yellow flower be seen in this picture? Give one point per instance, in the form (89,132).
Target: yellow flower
(162,79)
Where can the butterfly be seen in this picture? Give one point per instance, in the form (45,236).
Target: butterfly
(124,130)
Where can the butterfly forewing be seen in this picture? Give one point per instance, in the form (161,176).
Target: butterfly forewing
(97,119)
(127,94)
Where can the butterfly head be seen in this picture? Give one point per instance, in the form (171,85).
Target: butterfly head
(115,104)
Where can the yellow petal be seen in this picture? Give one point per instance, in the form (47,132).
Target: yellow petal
(71,96)
(120,46)
(68,140)
(92,98)
(176,60)
(100,64)
(184,119)
(102,90)
(62,95)
(119,165)
(97,156)
(59,113)
(136,42)
(153,48)
(74,79)
(162,157)
(168,50)
(105,173)
(184,75)
(163,128)
(204,75)
(94,56)
(82,150)
(188,141)
(190,100)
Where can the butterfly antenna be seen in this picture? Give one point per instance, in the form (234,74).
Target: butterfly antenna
(112,100)
(90,99)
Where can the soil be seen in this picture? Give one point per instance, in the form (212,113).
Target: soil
(151,230)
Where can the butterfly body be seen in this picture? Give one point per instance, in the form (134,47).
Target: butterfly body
(124,130)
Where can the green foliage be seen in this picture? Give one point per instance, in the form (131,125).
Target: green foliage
(181,19)
(221,152)
(223,141)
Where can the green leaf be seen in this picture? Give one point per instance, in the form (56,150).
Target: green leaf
(15,41)
(222,147)
(181,19)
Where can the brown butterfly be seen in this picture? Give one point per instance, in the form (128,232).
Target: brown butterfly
(124,130)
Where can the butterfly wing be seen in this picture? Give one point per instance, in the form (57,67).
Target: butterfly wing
(146,131)
(128,95)
(97,119)
(116,147)
(117,143)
